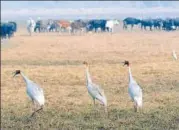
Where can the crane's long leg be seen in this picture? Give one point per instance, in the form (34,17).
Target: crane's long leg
(135,106)
(41,108)
(106,111)
(141,110)
(105,108)
(94,103)
(33,105)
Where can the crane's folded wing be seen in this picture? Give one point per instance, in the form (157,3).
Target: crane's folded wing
(35,89)
(98,89)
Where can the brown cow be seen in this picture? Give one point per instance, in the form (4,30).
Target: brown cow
(64,24)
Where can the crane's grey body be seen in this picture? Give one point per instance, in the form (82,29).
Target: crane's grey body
(34,91)
(134,89)
(95,91)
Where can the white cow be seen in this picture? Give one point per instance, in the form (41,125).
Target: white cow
(110,25)
(30,26)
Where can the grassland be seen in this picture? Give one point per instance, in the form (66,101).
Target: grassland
(55,62)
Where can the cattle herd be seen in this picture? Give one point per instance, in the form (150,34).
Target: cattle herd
(97,25)
(167,24)
(72,26)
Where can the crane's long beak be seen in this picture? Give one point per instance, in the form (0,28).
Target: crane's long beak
(122,63)
(14,74)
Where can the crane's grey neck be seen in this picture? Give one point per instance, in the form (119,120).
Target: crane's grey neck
(130,74)
(88,75)
(25,78)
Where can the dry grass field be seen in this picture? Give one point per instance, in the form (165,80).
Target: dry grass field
(55,62)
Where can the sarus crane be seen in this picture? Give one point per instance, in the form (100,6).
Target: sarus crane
(34,91)
(95,91)
(134,90)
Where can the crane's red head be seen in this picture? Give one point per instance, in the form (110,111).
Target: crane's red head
(126,63)
(17,72)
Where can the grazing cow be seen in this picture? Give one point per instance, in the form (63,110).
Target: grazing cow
(64,25)
(37,26)
(43,26)
(110,25)
(14,25)
(7,30)
(54,26)
(30,26)
(176,23)
(168,24)
(49,26)
(147,23)
(78,25)
(96,24)
(4,31)
(130,21)
(158,23)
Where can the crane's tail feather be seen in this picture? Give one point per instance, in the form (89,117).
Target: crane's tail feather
(138,101)
(102,99)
